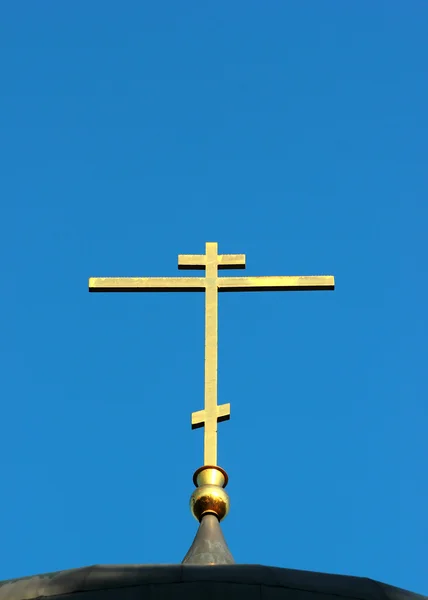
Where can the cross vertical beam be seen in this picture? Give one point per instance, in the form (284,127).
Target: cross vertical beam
(212,412)
(211,355)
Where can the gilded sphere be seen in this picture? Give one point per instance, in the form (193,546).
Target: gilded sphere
(209,499)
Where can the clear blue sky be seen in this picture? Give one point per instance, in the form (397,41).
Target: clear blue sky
(294,132)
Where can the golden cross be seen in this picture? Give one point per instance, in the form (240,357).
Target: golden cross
(211,284)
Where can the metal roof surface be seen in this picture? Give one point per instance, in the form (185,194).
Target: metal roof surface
(190,582)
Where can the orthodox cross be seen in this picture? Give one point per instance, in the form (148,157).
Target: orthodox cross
(211,284)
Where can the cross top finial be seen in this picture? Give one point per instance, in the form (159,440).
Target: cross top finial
(211,259)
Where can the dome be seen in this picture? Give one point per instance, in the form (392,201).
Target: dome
(190,582)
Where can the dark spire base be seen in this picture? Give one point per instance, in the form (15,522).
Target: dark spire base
(209,546)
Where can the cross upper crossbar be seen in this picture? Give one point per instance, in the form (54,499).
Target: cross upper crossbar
(199,261)
(211,284)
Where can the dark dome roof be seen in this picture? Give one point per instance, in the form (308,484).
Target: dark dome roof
(189,582)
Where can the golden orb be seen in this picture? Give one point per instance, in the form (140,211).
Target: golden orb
(209,496)
(209,500)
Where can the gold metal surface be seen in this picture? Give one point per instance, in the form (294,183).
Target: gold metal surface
(211,284)
(209,499)
(209,496)
(147,284)
(199,261)
(275,283)
(210,475)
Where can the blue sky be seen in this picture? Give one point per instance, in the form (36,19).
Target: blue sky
(294,132)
